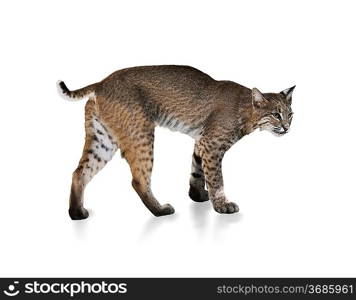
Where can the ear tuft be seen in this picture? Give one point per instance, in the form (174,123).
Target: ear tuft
(257,98)
(287,93)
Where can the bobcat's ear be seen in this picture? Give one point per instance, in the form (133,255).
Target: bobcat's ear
(288,93)
(257,98)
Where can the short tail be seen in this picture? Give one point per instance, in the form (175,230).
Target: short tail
(64,92)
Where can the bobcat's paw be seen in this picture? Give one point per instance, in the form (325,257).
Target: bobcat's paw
(164,210)
(78,213)
(198,195)
(226,207)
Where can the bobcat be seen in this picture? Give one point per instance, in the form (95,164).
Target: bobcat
(123,109)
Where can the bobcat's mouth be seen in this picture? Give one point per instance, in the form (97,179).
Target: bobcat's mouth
(280,131)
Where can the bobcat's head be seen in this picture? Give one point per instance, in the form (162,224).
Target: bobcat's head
(274,110)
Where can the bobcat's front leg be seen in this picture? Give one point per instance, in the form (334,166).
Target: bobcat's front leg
(212,155)
(197,190)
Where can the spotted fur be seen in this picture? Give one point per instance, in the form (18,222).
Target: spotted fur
(124,108)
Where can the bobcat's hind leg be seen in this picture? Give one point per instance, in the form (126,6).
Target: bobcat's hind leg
(99,148)
(197,190)
(139,154)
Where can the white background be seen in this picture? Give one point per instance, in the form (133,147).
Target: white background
(296,193)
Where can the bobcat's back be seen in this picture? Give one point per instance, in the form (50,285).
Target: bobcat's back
(178,97)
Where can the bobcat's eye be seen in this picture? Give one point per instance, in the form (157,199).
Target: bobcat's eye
(277,116)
